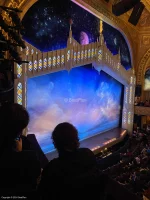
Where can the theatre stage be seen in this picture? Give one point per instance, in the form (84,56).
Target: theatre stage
(98,142)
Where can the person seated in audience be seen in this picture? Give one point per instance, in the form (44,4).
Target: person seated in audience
(141,103)
(19,170)
(138,161)
(129,153)
(146,103)
(137,101)
(74,173)
(140,134)
(148,129)
(144,151)
(137,166)
(134,134)
(148,151)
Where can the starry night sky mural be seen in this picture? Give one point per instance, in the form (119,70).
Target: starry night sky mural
(47,26)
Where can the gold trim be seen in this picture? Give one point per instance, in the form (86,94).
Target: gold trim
(147,4)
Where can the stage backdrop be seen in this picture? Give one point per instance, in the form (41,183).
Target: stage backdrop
(49,27)
(90,101)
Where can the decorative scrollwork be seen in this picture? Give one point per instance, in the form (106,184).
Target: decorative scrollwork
(142,66)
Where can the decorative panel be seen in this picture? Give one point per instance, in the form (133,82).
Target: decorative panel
(19,93)
(19,71)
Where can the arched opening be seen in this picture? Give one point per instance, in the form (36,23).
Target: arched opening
(142,75)
(48,29)
(147,80)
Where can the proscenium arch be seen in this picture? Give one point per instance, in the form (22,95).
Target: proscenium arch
(104,15)
(113,68)
(26,7)
(142,67)
(23,5)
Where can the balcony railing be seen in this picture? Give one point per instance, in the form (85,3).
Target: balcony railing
(142,110)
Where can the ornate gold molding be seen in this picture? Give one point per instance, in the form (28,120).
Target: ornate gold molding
(13,4)
(146,40)
(142,67)
(144,21)
(147,4)
(23,5)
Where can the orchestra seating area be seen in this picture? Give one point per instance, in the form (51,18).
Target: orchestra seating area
(130,166)
(111,155)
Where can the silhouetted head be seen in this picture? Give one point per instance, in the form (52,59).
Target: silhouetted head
(65,137)
(13,119)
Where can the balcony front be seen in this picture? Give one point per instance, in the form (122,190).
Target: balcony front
(142,110)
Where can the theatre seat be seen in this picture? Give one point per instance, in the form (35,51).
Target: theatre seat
(115,191)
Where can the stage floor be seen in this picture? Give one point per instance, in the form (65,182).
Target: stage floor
(98,142)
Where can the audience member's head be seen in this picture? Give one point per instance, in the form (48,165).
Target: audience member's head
(65,137)
(13,120)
